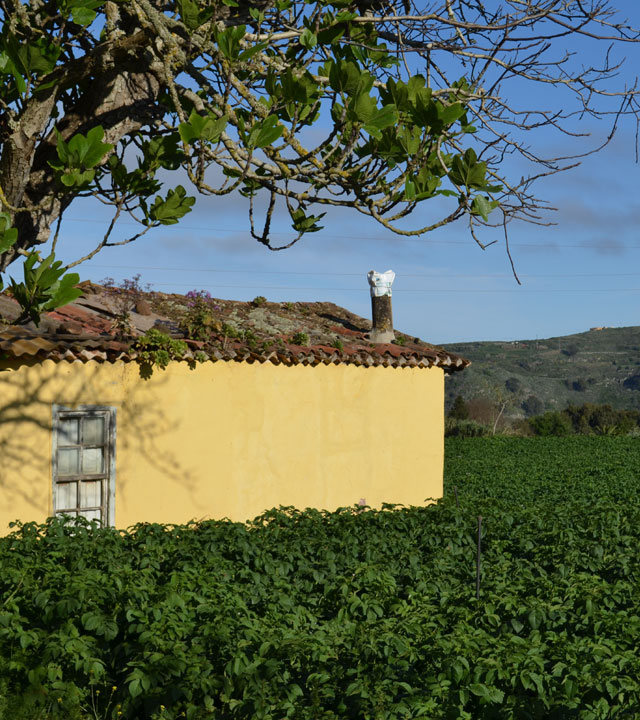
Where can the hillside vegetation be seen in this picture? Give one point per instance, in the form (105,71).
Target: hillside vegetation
(533,376)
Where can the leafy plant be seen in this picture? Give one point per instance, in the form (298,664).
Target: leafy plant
(198,323)
(299,338)
(358,613)
(258,301)
(46,286)
(157,349)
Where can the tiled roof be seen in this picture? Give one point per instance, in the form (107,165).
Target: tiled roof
(259,331)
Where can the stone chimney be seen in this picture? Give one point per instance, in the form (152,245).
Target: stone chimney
(382,318)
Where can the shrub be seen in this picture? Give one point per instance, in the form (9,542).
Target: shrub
(459,409)
(551,423)
(465,428)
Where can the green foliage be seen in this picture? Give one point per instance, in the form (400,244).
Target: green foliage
(338,344)
(590,419)
(532,405)
(546,372)
(78,158)
(198,323)
(8,234)
(168,210)
(230,331)
(358,614)
(259,300)
(45,287)
(462,427)
(551,423)
(207,128)
(157,349)
(587,419)
(459,409)
(299,338)
(242,83)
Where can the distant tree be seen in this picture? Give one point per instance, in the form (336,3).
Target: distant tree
(459,409)
(579,385)
(632,383)
(552,423)
(571,350)
(591,419)
(532,406)
(513,384)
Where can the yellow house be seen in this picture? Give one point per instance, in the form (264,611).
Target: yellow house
(289,404)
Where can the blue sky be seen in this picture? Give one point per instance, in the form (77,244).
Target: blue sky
(582,272)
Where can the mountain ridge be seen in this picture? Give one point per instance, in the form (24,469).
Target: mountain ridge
(600,365)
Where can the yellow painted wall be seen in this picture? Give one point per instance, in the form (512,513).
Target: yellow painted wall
(230,439)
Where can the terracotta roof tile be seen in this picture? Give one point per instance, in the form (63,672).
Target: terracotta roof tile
(239,331)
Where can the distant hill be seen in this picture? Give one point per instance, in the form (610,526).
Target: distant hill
(600,366)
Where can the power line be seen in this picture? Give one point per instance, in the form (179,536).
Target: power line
(428,291)
(360,275)
(397,238)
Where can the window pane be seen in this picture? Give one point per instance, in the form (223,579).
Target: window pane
(92,460)
(93,431)
(90,493)
(68,461)
(66,496)
(68,431)
(90,514)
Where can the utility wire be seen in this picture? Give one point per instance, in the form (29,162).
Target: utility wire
(427,291)
(336,274)
(396,238)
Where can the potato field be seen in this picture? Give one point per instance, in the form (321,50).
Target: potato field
(353,615)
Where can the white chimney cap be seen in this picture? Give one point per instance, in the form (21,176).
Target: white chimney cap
(380,283)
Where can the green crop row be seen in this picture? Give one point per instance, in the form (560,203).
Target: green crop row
(358,614)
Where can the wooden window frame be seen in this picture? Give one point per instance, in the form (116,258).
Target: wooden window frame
(60,412)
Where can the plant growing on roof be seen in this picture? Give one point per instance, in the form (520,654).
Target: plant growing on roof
(46,286)
(157,349)
(198,321)
(299,338)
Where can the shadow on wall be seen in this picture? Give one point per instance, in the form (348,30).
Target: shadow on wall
(143,428)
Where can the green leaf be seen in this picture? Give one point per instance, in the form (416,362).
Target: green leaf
(467,171)
(199,127)
(385,117)
(247,54)
(229,41)
(450,113)
(346,77)
(8,234)
(362,108)
(308,39)
(265,133)
(188,11)
(169,210)
(162,151)
(490,694)
(83,16)
(409,189)
(482,206)
(95,149)
(303,223)
(134,687)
